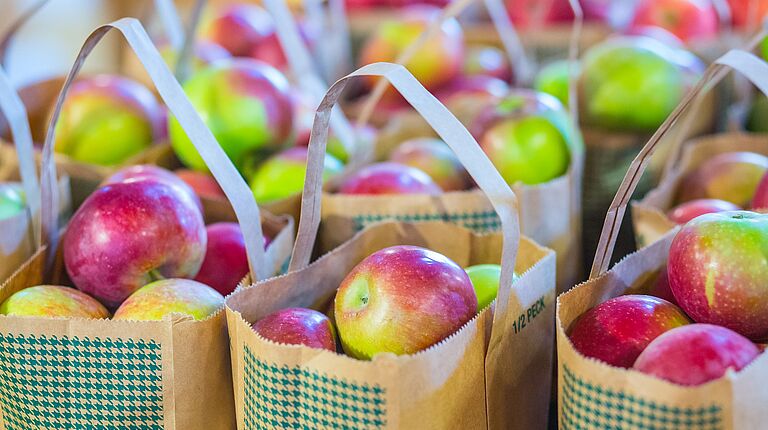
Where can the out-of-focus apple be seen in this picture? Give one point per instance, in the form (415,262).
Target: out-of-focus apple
(154,301)
(143,172)
(389,178)
(53,301)
(687,211)
(246,104)
(472,87)
(433,157)
(202,183)
(12,200)
(204,54)
(618,330)
(553,79)
(731,176)
(747,13)
(537,13)
(695,354)
(108,119)
(757,120)
(282,175)
(485,279)
(760,199)
(487,61)
(402,300)
(687,19)
(718,271)
(127,234)
(298,326)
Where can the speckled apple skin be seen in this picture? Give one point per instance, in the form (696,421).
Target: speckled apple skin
(718,271)
(415,298)
(695,354)
(389,178)
(298,326)
(53,301)
(154,301)
(436,159)
(617,330)
(124,231)
(142,172)
(733,177)
(687,211)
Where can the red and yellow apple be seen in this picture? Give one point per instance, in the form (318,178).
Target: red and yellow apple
(53,301)
(389,178)
(156,300)
(150,172)
(298,326)
(687,211)
(433,157)
(732,176)
(687,19)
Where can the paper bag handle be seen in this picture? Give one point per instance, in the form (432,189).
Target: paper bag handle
(10,33)
(170,91)
(448,128)
(16,115)
(743,62)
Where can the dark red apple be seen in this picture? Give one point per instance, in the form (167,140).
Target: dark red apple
(389,178)
(298,326)
(687,211)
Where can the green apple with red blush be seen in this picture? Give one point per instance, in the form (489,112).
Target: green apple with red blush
(435,158)
(53,301)
(298,326)
(155,301)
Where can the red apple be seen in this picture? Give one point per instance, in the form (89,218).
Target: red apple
(760,199)
(748,12)
(203,184)
(298,326)
(687,211)
(718,271)
(401,300)
(660,287)
(143,172)
(53,301)
(618,330)
(487,61)
(687,19)
(436,159)
(732,176)
(127,234)
(696,354)
(536,13)
(389,178)
(155,301)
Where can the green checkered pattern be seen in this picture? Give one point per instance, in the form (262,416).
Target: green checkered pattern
(51,382)
(290,397)
(589,406)
(479,222)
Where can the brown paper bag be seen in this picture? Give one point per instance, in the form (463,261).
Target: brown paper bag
(593,394)
(493,373)
(169,374)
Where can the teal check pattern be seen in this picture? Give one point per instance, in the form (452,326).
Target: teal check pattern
(291,397)
(587,406)
(479,222)
(52,382)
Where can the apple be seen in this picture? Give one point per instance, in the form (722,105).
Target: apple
(247,105)
(225,249)
(731,176)
(487,61)
(204,53)
(718,271)
(485,279)
(435,158)
(154,301)
(298,326)
(760,199)
(389,178)
(282,175)
(143,172)
(401,300)
(687,19)
(553,79)
(687,211)
(53,301)
(757,120)
(537,13)
(108,119)
(695,354)
(128,234)
(618,330)
(472,87)
(597,10)
(12,200)
(202,183)
(660,287)
(748,12)
(435,64)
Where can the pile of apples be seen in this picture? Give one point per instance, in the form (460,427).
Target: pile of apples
(714,318)
(138,247)
(399,300)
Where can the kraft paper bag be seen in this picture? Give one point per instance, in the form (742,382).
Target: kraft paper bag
(492,373)
(169,374)
(593,394)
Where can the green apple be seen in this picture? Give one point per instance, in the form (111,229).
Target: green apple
(485,278)
(12,201)
(553,79)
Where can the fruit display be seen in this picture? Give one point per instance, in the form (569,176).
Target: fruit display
(689,20)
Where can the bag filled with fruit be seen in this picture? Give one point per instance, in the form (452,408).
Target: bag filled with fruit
(628,358)
(137,342)
(424,349)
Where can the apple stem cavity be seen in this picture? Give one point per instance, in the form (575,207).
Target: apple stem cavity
(358,297)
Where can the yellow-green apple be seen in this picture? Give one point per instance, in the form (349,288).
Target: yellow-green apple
(748,12)
(389,178)
(246,104)
(401,300)
(53,301)
(202,183)
(487,61)
(141,172)
(12,200)
(433,157)
(687,211)
(718,271)
(537,13)
(618,330)
(437,62)
(127,234)
(485,279)
(282,175)
(687,19)
(226,261)
(108,119)
(154,301)
(298,326)
(695,354)
(732,176)
(553,79)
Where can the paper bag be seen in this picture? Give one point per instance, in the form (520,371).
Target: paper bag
(593,394)
(169,374)
(492,373)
